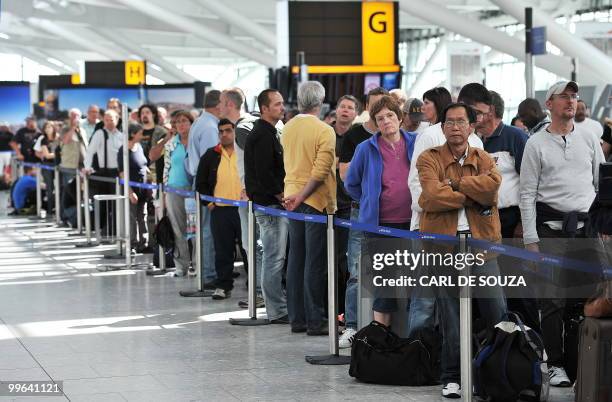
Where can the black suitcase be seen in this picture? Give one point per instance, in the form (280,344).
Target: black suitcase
(594,382)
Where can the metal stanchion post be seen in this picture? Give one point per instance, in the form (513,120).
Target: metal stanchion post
(38,193)
(465,329)
(252,320)
(86,209)
(56,194)
(201,292)
(126,191)
(334,357)
(79,201)
(118,218)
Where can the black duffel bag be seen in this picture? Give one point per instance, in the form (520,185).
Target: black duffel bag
(379,356)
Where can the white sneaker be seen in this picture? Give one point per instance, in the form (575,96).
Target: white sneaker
(558,377)
(346,339)
(451,390)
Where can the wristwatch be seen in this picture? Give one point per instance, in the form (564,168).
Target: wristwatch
(453,184)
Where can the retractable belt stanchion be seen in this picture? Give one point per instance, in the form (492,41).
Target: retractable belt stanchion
(79,200)
(201,292)
(465,328)
(252,320)
(56,194)
(126,191)
(38,192)
(86,209)
(334,358)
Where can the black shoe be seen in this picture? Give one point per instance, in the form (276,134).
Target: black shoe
(209,286)
(321,329)
(281,320)
(298,329)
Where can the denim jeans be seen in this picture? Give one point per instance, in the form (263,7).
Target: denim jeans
(307,271)
(208,248)
(273,231)
(352,284)
(244,227)
(492,310)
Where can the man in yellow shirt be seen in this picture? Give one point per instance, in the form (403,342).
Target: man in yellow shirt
(310,188)
(218,176)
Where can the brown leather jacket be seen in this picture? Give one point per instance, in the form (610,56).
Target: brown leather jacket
(479,183)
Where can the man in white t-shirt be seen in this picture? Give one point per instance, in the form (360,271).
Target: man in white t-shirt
(584,122)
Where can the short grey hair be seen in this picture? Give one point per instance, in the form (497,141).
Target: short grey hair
(310,96)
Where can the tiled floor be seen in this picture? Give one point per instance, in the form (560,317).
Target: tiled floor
(118,336)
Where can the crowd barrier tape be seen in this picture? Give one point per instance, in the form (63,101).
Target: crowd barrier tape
(218,200)
(135,184)
(498,248)
(291,215)
(184,193)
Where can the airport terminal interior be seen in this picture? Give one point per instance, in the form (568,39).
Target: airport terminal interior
(206,200)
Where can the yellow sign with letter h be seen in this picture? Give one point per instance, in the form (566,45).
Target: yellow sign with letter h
(135,72)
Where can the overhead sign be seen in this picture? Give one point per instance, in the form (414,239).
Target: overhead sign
(538,40)
(341,37)
(135,72)
(378,33)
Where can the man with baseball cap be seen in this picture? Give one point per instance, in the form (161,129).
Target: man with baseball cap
(558,183)
(414,119)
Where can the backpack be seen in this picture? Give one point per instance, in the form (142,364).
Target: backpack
(379,356)
(511,364)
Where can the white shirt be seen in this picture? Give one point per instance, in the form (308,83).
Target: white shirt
(591,126)
(422,127)
(115,141)
(432,137)
(87,128)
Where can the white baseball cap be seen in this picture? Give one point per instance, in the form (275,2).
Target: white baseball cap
(559,87)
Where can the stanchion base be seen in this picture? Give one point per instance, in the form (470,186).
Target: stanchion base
(114,257)
(329,360)
(76,234)
(249,322)
(156,272)
(90,244)
(196,293)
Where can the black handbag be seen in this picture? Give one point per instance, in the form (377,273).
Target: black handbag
(380,356)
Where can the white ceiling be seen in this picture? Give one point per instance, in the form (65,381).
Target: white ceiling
(75,30)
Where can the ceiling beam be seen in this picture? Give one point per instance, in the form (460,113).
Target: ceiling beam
(75,38)
(243,22)
(202,31)
(150,56)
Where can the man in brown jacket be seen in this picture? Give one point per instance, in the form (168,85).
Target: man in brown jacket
(460,185)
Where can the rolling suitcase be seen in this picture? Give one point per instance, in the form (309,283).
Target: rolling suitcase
(594,382)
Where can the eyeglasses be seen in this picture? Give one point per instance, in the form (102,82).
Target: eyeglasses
(458,123)
(568,96)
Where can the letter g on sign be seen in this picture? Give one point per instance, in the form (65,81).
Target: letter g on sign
(382,24)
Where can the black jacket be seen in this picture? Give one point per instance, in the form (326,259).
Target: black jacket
(206,178)
(264,170)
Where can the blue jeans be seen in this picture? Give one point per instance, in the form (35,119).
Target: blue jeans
(273,231)
(208,248)
(352,285)
(307,271)
(244,227)
(492,310)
